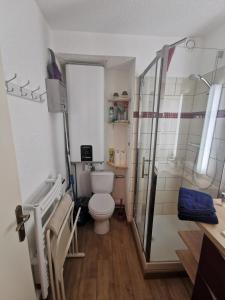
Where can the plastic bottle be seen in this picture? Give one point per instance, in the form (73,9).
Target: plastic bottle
(123,158)
(111,114)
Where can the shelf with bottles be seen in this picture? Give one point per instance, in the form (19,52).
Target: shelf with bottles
(119,122)
(117,158)
(113,165)
(120,97)
(115,100)
(118,113)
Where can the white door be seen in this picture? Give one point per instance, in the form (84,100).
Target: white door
(16,282)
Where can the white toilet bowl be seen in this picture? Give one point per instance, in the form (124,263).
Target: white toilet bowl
(101,208)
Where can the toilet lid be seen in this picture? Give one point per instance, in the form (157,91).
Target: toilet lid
(101,204)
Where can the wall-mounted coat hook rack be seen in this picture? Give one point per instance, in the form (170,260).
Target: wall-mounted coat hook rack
(22,91)
(22,87)
(34,91)
(40,96)
(7,83)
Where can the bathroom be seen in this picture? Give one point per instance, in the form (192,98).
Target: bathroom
(166,75)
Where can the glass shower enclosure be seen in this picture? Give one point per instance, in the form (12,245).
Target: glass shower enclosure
(179,142)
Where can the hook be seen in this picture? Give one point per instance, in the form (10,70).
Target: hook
(22,87)
(7,83)
(40,96)
(32,92)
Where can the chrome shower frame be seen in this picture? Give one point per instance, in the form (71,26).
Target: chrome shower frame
(162,57)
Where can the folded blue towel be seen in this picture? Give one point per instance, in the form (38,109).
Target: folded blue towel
(209,219)
(195,202)
(196,206)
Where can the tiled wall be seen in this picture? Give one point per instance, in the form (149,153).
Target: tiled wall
(180,126)
(173,128)
(211,182)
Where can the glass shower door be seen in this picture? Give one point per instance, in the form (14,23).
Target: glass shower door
(152,88)
(148,105)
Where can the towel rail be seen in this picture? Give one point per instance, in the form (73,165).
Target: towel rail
(41,207)
(70,250)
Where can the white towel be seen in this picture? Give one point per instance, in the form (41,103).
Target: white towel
(58,217)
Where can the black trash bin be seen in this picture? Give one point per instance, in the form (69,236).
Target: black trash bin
(84,216)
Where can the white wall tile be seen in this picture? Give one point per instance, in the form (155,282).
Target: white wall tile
(222,100)
(167,125)
(146,103)
(170,86)
(158,209)
(173,184)
(185,86)
(200,102)
(218,150)
(170,104)
(220,75)
(219,132)
(161,183)
(169,208)
(187,103)
(184,126)
(166,196)
(146,125)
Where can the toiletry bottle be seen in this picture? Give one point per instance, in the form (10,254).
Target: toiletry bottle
(117,157)
(111,114)
(111,155)
(123,158)
(125,114)
(115,117)
(126,111)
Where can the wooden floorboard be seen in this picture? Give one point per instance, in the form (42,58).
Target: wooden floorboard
(111,270)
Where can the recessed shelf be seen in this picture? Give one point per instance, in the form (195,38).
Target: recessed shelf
(124,122)
(116,166)
(119,100)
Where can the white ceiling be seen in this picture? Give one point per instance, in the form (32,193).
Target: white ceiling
(139,17)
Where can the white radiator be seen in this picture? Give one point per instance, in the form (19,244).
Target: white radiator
(43,206)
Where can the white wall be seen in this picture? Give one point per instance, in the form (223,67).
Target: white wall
(24,37)
(215,38)
(142,47)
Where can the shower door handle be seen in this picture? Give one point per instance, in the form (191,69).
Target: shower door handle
(143,167)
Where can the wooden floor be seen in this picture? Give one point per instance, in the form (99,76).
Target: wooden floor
(111,270)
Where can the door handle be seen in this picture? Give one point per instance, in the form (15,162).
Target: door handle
(143,167)
(20,220)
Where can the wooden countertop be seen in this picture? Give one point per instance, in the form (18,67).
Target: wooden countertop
(213,232)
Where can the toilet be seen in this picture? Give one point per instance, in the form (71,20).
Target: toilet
(101,205)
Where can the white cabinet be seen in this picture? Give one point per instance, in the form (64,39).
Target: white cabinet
(56,95)
(85,97)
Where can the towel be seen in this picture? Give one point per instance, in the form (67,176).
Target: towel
(59,215)
(196,206)
(210,219)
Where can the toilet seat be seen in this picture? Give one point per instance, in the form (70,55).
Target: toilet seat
(101,204)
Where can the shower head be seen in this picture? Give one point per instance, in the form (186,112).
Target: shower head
(199,77)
